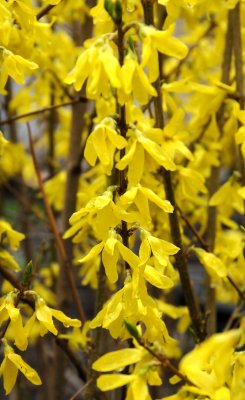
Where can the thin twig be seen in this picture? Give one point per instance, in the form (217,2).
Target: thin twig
(238,53)
(206,247)
(236,315)
(80,390)
(45,11)
(175,71)
(76,361)
(193,229)
(43,110)
(166,363)
(27,205)
(236,287)
(56,234)
(123,131)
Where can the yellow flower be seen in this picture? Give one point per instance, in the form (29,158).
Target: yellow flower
(8,261)
(9,310)
(135,82)
(45,314)
(214,265)
(208,366)
(141,196)
(7,233)
(133,304)
(11,364)
(78,338)
(162,41)
(140,147)
(144,371)
(111,248)
(3,143)
(101,213)
(99,65)
(102,143)
(15,66)
(161,249)
(191,182)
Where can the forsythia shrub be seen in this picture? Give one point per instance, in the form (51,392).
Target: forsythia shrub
(135,114)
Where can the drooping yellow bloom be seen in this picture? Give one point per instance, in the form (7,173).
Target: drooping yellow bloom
(161,249)
(99,65)
(141,196)
(78,338)
(209,365)
(102,143)
(8,309)
(139,148)
(135,82)
(214,266)
(11,365)
(9,235)
(145,371)
(8,261)
(101,213)
(133,304)
(45,314)
(15,66)
(155,41)
(111,248)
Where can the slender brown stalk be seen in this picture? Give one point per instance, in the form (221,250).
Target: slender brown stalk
(45,11)
(51,131)
(213,184)
(198,322)
(206,247)
(236,287)
(10,277)
(166,363)
(25,203)
(80,390)
(123,131)
(238,53)
(56,234)
(75,360)
(73,173)
(42,110)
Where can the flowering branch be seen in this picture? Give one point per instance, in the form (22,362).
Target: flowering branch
(42,110)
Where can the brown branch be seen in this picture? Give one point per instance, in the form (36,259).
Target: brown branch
(123,131)
(238,53)
(166,363)
(193,229)
(43,110)
(76,361)
(80,390)
(236,287)
(10,277)
(198,321)
(58,240)
(45,11)
(26,204)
